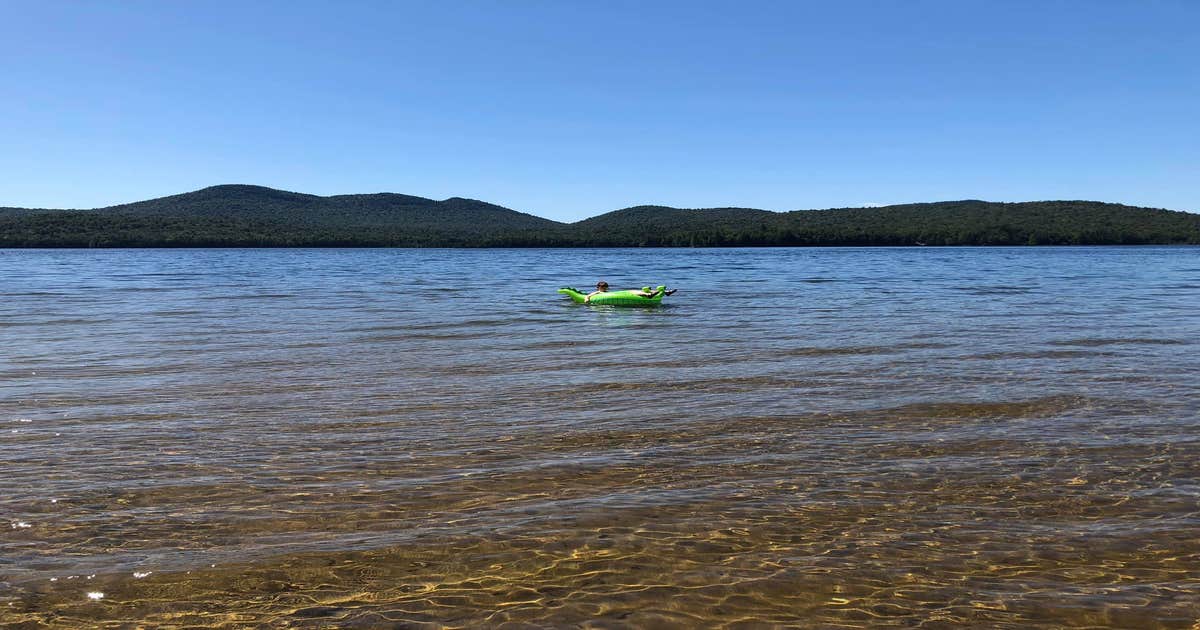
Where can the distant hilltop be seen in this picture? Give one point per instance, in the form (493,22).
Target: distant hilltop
(254,216)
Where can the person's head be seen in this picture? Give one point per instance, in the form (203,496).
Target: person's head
(602,286)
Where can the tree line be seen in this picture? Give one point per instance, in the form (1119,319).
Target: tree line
(465,223)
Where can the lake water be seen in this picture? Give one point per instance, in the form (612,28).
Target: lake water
(991,437)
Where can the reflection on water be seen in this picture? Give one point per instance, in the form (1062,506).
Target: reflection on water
(366,438)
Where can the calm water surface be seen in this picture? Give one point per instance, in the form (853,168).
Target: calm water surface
(424,438)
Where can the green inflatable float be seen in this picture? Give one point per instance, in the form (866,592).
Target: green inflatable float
(629,297)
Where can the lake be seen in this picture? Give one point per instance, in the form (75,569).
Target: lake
(990,437)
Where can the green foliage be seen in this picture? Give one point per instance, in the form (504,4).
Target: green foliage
(944,223)
(252,216)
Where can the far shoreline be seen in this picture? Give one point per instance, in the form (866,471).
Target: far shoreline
(578,248)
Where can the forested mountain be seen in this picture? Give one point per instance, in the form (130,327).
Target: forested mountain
(943,223)
(254,216)
(248,216)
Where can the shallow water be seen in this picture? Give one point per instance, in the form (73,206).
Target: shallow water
(939,437)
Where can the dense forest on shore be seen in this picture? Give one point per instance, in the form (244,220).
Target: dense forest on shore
(253,216)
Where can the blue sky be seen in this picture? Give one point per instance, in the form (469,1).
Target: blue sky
(570,109)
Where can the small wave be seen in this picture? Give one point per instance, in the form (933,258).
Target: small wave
(435,336)
(997,290)
(856,350)
(568,343)
(1037,407)
(708,385)
(1099,341)
(470,323)
(848,350)
(1037,354)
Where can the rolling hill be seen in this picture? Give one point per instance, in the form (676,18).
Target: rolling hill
(248,216)
(255,216)
(969,222)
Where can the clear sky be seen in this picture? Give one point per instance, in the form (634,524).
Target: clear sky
(567,109)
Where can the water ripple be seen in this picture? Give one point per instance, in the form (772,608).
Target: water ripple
(810,437)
